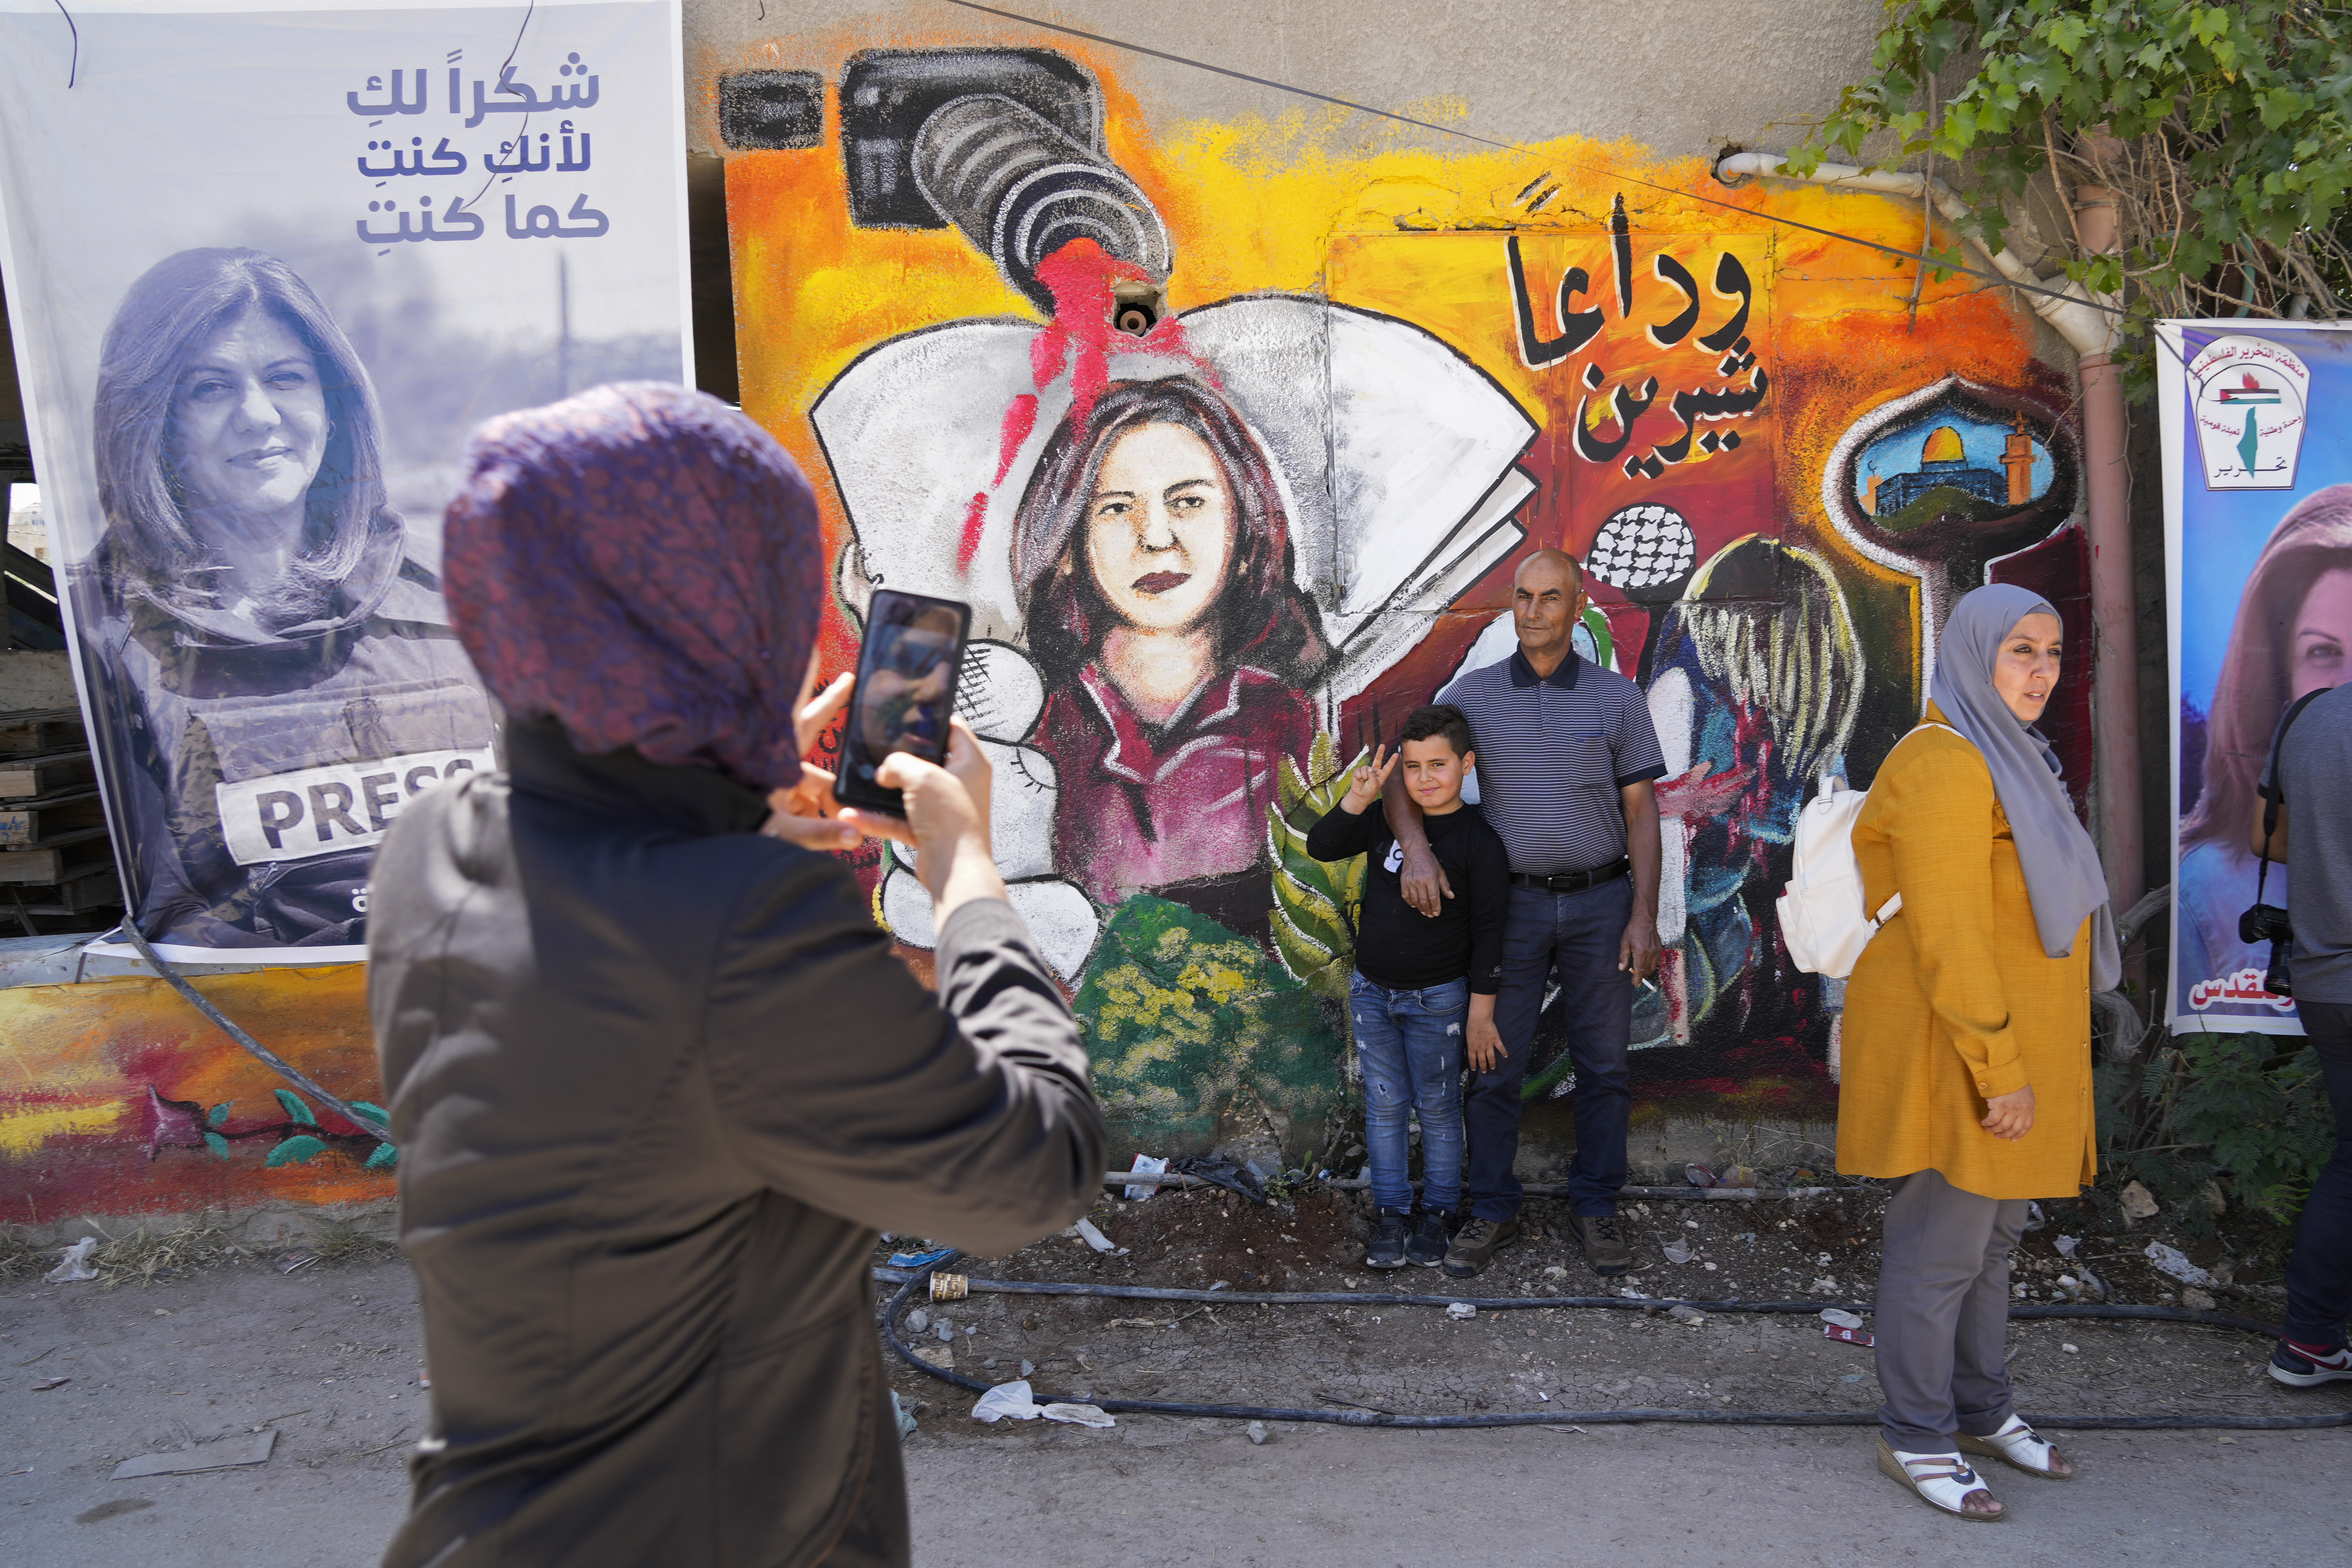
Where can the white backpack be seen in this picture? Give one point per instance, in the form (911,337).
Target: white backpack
(1822,922)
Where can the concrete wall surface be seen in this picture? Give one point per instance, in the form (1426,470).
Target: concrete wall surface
(1681,77)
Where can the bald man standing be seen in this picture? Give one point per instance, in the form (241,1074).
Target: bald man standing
(1567,761)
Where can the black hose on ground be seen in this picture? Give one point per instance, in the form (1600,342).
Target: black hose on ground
(909,1279)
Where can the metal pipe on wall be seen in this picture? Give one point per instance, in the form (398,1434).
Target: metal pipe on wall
(2114,669)
(2090,324)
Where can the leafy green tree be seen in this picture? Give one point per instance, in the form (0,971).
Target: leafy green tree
(2220,133)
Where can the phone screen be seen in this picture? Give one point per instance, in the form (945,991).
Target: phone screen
(905,689)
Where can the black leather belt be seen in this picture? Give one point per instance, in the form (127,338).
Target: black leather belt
(1574,881)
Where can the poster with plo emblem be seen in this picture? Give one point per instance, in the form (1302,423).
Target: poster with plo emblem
(267,266)
(2257,428)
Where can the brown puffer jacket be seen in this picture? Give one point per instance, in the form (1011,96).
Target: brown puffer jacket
(656,1082)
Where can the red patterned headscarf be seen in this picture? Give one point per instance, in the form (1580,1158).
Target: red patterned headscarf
(644,564)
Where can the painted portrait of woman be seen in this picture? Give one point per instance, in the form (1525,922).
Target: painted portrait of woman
(1153,558)
(2293,636)
(277,675)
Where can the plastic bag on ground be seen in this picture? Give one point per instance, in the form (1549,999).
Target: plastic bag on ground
(1093,1236)
(1078,1414)
(1005,1399)
(76,1264)
(1146,1165)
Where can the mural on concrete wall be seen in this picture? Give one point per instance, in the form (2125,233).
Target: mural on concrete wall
(1232,437)
(121,1099)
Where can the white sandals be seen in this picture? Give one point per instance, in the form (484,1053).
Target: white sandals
(1943,1481)
(2021,1447)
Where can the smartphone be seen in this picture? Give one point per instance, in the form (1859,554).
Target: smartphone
(905,693)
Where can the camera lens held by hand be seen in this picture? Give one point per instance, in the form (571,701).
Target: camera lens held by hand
(2268,922)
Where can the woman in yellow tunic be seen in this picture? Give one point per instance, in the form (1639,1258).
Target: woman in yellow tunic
(1967,1057)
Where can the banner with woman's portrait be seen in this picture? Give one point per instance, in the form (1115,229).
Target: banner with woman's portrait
(266,267)
(2257,425)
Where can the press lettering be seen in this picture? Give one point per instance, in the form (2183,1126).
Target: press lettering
(377,791)
(330,807)
(280,809)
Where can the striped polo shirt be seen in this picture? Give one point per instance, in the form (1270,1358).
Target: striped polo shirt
(1553,752)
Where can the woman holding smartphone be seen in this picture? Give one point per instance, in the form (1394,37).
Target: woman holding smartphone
(656,1077)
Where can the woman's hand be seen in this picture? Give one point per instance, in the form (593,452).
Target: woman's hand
(2009,1116)
(946,821)
(1364,788)
(807,814)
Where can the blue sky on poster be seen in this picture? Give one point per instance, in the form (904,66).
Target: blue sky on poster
(231,125)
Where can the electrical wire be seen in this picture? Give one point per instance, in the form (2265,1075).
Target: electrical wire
(1616,174)
(909,1279)
(366,1123)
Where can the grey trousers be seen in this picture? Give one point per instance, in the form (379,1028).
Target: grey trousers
(1942,1320)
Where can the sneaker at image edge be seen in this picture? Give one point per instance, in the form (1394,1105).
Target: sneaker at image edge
(1388,1243)
(1432,1232)
(1475,1244)
(2301,1369)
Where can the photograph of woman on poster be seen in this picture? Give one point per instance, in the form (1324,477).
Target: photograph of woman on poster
(275,674)
(2292,634)
(1153,557)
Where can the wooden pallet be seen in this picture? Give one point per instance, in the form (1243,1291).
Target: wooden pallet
(40,731)
(46,772)
(61,858)
(26,824)
(57,866)
(97,888)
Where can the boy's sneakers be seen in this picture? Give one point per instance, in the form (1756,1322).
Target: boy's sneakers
(1388,1234)
(1432,1235)
(1604,1244)
(2306,1366)
(1477,1242)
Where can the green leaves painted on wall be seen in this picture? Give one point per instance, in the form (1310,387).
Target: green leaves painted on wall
(301,1140)
(1315,902)
(1185,1018)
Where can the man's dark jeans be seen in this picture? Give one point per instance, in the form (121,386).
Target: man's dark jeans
(2320,1275)
(1576,937)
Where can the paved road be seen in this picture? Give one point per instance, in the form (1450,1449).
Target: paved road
(1617,1495)
(327,1357)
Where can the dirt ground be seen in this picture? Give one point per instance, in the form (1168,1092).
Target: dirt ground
(327,1358)
(1417,1361)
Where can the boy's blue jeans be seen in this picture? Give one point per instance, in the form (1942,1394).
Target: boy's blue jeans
(1409,1044)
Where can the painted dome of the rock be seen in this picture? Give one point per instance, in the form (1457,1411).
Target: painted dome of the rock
(1944,447)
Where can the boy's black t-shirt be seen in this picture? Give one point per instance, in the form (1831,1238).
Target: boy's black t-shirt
(1397,945)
